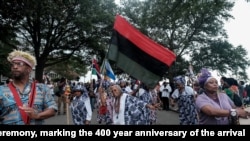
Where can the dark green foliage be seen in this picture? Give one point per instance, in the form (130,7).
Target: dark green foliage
(70,32)
(55,31)
(192,29)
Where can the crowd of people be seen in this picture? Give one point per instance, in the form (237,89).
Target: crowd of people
(24,101)
(205,102)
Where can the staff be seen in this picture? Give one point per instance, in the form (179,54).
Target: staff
(67,93)
(192,79)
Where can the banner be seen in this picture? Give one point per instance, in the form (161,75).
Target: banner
(137,55)
(176,132)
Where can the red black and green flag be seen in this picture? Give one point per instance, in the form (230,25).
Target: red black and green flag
(96,69)
(137,55)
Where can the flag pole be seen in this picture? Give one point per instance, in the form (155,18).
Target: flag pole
(91,81)
(67,93)
(191,78)
(101,73)
(100,90)
(91,69)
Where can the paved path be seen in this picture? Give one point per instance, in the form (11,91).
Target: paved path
(164,118)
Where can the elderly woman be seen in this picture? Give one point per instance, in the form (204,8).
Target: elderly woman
(80,106)
(104,104)
(213,107)
(185,96)
(127,109)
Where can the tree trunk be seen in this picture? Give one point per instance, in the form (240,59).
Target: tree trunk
(39,72)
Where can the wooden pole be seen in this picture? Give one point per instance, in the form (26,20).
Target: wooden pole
(67,110)
(67,93)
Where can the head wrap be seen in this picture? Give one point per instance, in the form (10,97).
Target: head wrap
(180,79)
(27,58)
(204,77)
(77,88)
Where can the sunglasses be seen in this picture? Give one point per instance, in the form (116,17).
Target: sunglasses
(18,64)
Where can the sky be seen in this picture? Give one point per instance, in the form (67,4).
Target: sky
(238,30)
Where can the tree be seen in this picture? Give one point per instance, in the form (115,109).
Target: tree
(4,65)
(222,56)
(58,30)
(188,28)
(8,40)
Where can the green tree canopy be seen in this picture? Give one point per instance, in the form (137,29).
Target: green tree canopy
(192,29)
(70,32)
(57,30)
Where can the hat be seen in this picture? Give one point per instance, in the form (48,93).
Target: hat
(180,79)
(205,75)
(22,56)
(77,88)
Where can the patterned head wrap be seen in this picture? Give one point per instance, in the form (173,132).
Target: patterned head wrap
(22,56)
(204,77)
(180,79)
(77,88)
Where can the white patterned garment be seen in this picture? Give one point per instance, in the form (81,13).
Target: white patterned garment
(81,109)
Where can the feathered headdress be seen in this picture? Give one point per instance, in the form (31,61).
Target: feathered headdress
(22,56)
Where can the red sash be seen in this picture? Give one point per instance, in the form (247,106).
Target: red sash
(25,117)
